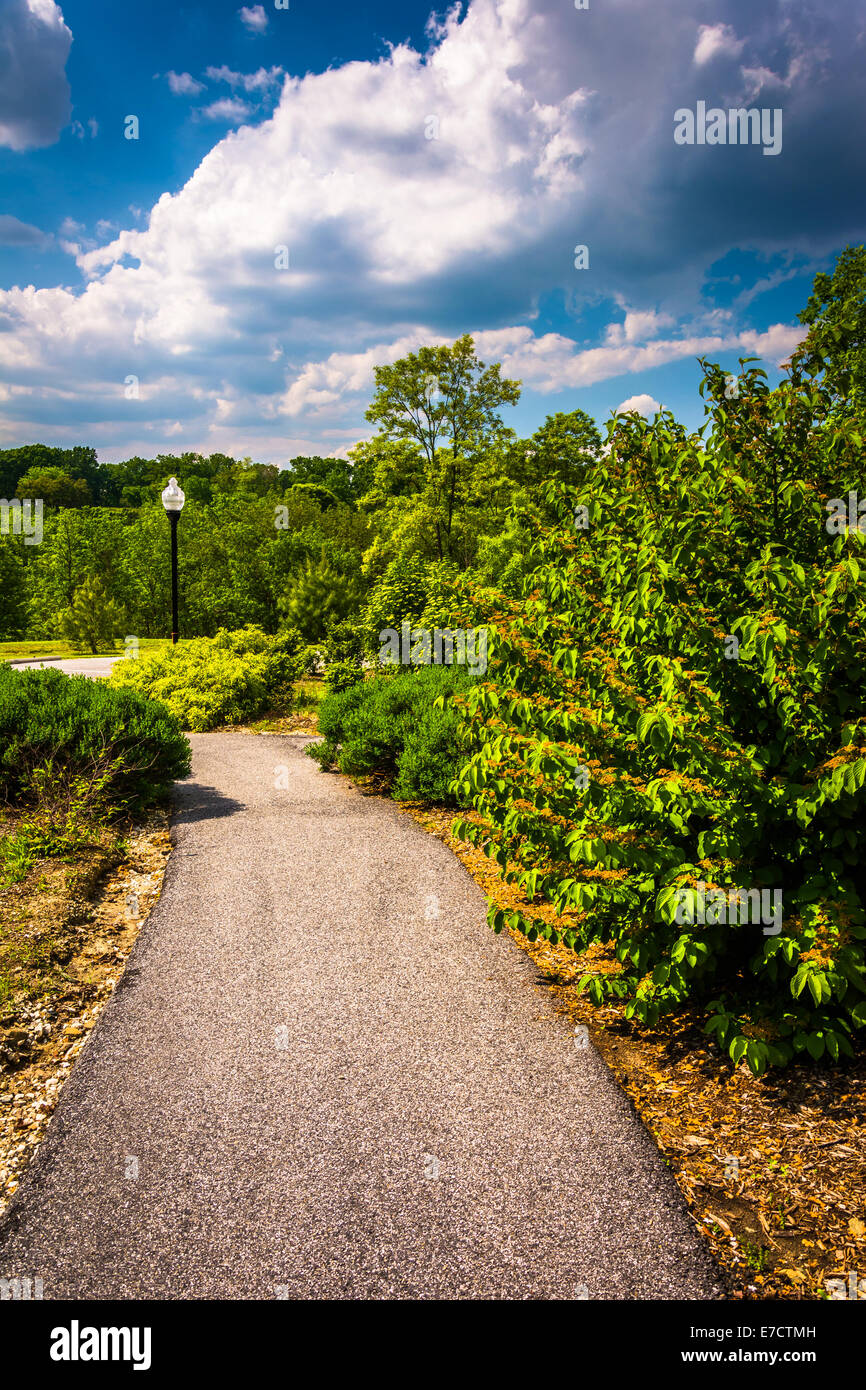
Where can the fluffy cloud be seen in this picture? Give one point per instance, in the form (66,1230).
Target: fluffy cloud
(429,192)
(184,84)
(644,405)
(554,362)
(34,92)
(716,40)
(261,81)
(637,327)
(253,17)
(321,384)
(545,364)
(230,109)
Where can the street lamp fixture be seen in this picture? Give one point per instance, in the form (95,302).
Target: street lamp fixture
(173,500)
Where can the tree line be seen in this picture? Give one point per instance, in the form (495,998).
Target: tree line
(306,545)
(338,547)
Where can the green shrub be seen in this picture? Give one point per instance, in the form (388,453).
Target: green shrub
(344,641)
(70,810)
(675,714)
(210,681)
(59,731)
(309,661)
(389,726)
(340,675)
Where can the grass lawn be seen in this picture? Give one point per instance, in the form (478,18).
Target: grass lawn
(309,692)
(39,649)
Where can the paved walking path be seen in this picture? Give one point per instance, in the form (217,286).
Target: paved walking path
(333,1081)
(71,666)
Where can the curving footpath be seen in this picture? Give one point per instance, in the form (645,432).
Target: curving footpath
(94,666)
(323,1076)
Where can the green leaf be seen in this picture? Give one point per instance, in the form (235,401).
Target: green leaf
(815,1045)
(645,723)
(756,1057)
(737,1049)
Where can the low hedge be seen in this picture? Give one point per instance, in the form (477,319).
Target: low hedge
(388,726)
(210,681)
(70,728)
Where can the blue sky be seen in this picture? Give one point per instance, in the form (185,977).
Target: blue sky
(428,174)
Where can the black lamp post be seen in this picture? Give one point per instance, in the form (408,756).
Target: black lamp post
(173,500)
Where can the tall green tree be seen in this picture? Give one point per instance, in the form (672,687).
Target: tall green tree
(339,476)
(13,593)
(438,397)
(91,622)
(79,462)
(836,318)
(558,452)
(317,598)
(55,486)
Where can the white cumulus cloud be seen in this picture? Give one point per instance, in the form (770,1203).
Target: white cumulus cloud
(417,196)
(253,17)
(638,327)
(644,405)
(184,84)
(231,109)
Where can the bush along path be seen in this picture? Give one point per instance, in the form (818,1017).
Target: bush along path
(322,1076)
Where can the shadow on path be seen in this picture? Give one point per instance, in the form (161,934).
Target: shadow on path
(195,802)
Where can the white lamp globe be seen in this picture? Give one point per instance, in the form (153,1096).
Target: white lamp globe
(173,498)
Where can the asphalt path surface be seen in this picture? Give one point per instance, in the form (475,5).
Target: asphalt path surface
(96,666)
(323,1076)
